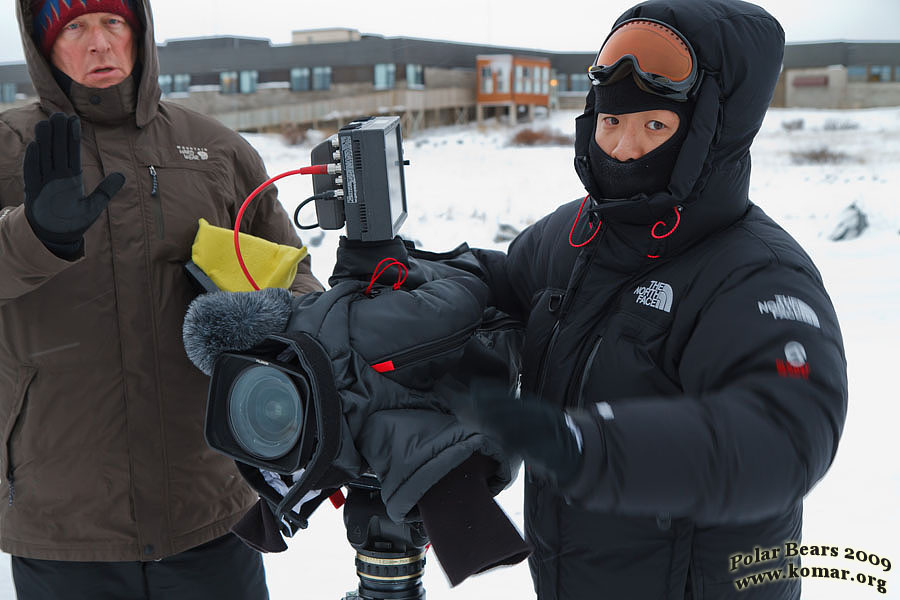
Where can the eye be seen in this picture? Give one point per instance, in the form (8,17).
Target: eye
(610,121)
(72,26)
(656,125)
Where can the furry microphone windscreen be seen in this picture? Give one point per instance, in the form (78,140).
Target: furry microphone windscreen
(232,321)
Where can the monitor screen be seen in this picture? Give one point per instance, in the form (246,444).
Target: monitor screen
(396,187)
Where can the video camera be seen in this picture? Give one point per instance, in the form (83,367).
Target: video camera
(271,409)
(265,403)
(313,393)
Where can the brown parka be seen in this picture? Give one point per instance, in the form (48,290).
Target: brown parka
(102,456)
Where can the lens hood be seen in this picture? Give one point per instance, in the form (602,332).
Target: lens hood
(237,437)
(303,360)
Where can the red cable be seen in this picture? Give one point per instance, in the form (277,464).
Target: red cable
(580,208)
(314,170)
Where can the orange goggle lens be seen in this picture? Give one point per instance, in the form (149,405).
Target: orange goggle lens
(658,50)
(661,59)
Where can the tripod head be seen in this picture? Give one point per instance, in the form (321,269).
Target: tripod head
(390,557)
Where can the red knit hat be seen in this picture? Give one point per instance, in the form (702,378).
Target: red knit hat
(50,16)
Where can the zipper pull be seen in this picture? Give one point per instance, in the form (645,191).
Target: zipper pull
(155,189)
(555,302)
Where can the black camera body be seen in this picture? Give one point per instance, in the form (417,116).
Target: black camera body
(259,411)
(311,393)
(370,188)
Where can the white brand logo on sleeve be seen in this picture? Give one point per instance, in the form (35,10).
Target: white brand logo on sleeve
(795,354)
(192,153)
(790,309)
(658,295)
(795,364)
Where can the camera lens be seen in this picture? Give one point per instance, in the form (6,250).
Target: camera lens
(265,411)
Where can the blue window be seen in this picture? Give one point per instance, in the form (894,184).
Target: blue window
(248,81)
(165,84)
(415,76)
(321,78)
(879,73)
(181,83)
(228,82)
(7,92)
(856,73)
(300,80)
(579,82)
(385,76)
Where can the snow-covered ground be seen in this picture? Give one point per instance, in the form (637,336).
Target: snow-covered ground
(464,183)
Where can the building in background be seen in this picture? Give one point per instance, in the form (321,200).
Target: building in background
(329,76)
(840,75)
(508,81)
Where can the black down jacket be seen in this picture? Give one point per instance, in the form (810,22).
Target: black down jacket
(695,345)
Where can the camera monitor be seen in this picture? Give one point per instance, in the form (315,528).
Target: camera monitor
(373,206)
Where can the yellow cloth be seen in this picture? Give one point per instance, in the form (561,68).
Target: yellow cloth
(271,265)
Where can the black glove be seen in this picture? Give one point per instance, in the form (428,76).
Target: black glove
(55,204)
(530,428)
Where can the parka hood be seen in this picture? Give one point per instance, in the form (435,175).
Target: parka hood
(54,99)
(739,49)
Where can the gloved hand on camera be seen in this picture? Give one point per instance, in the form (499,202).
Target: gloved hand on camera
(55,205)
(537,431)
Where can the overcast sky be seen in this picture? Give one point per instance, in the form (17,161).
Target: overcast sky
(562,25)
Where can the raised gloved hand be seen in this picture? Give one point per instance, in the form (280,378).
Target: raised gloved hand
(537,431)
(55,205)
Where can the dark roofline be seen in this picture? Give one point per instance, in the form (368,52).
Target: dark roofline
(215,41)
(822,54)
(235,53)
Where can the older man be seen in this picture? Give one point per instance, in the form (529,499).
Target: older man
(111,490)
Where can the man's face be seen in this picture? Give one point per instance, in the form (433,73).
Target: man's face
(632,135)
(96,50)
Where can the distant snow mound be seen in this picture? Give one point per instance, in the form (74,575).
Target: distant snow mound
(852,222)
(505,233)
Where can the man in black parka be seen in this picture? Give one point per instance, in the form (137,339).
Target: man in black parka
(684,380)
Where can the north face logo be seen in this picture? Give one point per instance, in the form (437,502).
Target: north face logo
(657,294)
(790,309)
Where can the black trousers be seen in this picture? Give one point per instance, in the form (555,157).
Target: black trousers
(223,569)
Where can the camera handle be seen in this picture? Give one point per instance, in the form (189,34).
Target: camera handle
(390,557)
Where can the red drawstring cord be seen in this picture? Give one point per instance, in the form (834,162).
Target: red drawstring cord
(314,170)
(658,223)
(670,232)
(577,218)
(402,272)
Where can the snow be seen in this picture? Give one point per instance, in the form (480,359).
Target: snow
(463,183)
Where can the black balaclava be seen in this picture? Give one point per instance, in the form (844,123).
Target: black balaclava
(650,173)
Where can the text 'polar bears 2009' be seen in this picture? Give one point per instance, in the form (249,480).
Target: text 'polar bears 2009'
(789,308)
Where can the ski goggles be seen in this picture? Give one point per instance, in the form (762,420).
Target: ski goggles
(661,58)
